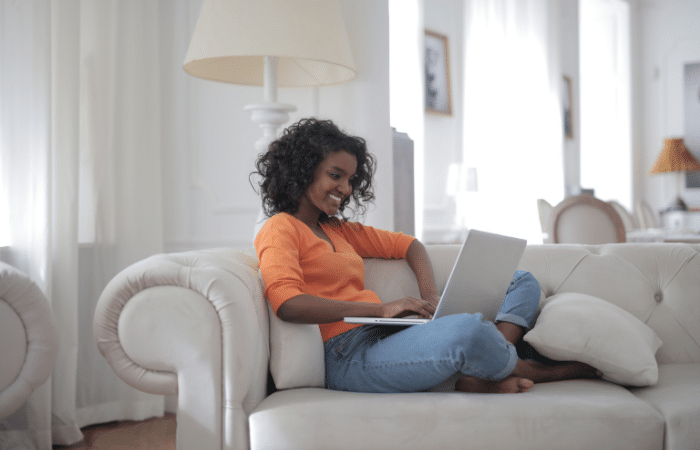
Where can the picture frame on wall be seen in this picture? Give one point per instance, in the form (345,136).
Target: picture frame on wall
(567,107)
(691,117)
(438,96)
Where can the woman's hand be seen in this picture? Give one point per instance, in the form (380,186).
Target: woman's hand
(408,306)
(434,300)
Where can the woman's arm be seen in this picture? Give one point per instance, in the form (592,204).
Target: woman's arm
(311,309)
(307,308)
(419,261)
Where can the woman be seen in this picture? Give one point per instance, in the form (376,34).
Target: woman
(311,262)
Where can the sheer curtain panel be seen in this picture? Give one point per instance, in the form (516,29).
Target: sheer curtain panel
(80,182)
(512,120)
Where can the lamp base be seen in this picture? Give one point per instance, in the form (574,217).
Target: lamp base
(269,116)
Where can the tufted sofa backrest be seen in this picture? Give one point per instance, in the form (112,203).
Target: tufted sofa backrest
(657,283)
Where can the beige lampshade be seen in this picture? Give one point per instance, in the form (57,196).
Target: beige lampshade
(675,157)
(308,38)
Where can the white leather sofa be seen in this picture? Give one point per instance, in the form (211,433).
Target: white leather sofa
(196,324)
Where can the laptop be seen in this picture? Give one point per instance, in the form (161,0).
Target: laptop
(481,275)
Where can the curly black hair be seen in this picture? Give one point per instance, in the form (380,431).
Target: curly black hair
(287,168)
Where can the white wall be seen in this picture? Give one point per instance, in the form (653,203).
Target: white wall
(445,137)
(443,134)
(209,139)
(669,36)
(663,33)
(569,60)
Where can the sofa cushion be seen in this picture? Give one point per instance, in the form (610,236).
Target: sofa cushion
(676,396)
(580,327)
(578,414)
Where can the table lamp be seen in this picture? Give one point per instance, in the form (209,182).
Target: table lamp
(271,43)
(675,157)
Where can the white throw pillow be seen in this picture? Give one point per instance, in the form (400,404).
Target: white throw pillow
(296,354)
(580,327)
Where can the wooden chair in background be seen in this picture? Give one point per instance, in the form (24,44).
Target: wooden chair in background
(545,210)
(584,219)
(628,219)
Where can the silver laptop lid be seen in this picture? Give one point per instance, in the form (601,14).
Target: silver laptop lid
(481,274)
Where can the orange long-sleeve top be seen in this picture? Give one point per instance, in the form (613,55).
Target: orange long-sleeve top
(294,261)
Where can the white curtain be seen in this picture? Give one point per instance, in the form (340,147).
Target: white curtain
(80,184)
(512,118)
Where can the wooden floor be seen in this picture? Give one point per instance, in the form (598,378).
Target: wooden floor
(152,434)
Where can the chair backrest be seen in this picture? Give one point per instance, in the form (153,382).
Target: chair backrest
(584,219)
(627,218)
(646,216)
(545,210)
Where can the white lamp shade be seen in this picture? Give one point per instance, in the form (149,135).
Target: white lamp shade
(307,37)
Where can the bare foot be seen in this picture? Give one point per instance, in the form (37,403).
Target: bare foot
(542,373)
(509,385)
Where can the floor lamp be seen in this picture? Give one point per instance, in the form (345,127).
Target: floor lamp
(675,157)
(271,43)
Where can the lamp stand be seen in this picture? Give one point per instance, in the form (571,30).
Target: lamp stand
(678,204)
(269,115)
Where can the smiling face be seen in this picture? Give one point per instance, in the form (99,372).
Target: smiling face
(331,186)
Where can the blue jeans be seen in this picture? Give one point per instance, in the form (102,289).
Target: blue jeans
(380,358)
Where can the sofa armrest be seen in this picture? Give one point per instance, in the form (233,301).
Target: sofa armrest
(28,339)
(194,324)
